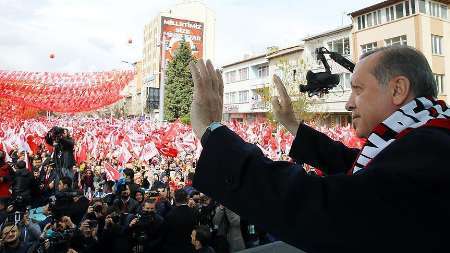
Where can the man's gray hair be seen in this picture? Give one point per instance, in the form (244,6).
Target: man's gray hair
(404,61)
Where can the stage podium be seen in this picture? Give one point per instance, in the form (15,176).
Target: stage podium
(276,247)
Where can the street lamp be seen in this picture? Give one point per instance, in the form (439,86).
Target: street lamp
(162,82)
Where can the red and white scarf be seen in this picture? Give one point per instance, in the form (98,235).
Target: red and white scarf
(420,112)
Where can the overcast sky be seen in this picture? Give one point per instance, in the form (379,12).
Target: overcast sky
(92,35)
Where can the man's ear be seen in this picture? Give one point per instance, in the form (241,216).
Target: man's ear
(400,88)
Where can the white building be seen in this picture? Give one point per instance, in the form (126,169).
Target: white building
(243,81)
(188,19)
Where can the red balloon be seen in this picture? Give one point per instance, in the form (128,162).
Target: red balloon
(52,56)
(130,41)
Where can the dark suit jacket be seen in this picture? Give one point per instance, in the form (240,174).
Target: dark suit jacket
(399,202)
(178,226)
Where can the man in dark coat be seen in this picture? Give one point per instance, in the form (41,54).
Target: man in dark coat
(392,195)
(24,186)
(178,226)
(125,204)
(63,156)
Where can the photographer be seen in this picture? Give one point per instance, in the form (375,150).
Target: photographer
(56,237)
(63,155)
(96,212)
(114,238)
(146,229)
(85,239)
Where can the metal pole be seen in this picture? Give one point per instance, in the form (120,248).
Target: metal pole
(161,84)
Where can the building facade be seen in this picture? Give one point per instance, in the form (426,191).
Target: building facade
(190,20)
(243,84)
(422,24)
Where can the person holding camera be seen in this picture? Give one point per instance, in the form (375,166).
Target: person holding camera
(85,239)
(146,229)
(96,212)
(63,154)
(57,235)
(114,238)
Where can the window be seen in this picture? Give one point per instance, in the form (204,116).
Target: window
(341,46)
(226,98)
(413,6)
(407,8)
(439,83)
(233,97)
(230,77)
(399,11)
(436,44)
(243,96)
(243,74)
(401,40)
(360,26)
(263,71)
(444,13)
(378,17)
(152,98)
(345,80)
(422,6)
(390,14)
(369,19)
(434,9)
(368,47)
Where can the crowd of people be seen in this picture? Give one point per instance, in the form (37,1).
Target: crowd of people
(72,189)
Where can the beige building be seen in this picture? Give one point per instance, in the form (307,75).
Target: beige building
(134,101)
(422,24)
(245,79)
(188,19)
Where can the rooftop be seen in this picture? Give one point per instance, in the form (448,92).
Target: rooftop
(383,4)
(330,32)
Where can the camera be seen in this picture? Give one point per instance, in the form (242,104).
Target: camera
(92,223)
(59,241)
(54,135)
(321,82)
(98,208)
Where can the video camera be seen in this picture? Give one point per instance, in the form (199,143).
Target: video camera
(322,82)
(54,134)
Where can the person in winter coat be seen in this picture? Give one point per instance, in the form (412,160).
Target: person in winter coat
(24,186)
(228,224)
(6,173)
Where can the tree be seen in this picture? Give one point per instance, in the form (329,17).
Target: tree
(179,85)
(293,74)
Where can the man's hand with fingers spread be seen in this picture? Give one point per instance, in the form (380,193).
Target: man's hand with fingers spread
(207,103)
(282,107)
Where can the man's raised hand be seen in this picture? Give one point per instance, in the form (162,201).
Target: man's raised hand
(207,101)
(282,107)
